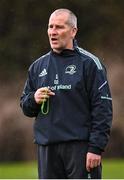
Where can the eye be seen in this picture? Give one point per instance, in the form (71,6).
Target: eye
(60,27)
(56,26)
(50,26)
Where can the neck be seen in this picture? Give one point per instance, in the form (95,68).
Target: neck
(60,50)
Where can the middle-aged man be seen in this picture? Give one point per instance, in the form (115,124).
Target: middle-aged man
(67,91)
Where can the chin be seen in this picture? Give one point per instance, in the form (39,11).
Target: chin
(56,48)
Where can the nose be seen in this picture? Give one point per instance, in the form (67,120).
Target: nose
(52,31)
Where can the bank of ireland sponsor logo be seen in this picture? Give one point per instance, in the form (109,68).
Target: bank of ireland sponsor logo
(57,86)
(71,69)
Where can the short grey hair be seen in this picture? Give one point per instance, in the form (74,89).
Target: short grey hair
(72,20)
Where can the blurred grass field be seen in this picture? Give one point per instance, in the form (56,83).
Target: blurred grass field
(112,169)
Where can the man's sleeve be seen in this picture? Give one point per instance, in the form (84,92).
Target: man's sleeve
(100,106)
(27,102)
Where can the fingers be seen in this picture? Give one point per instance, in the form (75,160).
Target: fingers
(47,91)
(42,94)
(92,161)
(44,89)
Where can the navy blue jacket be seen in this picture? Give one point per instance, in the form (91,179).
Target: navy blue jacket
(82,106)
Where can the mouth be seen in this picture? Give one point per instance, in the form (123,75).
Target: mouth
(54,40)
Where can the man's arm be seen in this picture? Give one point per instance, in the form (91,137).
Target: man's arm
(27,101)
(101,113)
(32,99)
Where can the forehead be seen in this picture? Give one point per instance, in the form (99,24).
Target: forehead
(61,18)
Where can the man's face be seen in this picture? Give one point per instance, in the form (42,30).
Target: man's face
(60,33)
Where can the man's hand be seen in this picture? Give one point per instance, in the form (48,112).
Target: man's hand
(42,94)
(92,161)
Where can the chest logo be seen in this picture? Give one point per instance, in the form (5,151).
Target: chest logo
(43,73)
(71,69)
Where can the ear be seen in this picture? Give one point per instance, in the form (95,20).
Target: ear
(74,32)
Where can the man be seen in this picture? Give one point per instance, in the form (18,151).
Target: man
(68,93)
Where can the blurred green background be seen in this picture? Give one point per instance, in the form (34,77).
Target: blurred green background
(23,39)
(112,169)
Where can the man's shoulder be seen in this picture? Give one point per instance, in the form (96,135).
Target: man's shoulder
(90,58)
(41,58)
(39,61)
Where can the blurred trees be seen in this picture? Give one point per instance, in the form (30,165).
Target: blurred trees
(23,38)
(23,28)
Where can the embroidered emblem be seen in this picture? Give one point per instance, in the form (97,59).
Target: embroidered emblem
(70,69)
